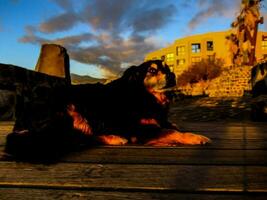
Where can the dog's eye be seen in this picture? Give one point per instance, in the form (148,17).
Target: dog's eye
(152,70)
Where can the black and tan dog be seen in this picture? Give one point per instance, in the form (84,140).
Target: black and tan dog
(132,109)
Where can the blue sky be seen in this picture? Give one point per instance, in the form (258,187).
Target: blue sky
(104,36)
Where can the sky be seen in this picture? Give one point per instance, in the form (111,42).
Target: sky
(104,37)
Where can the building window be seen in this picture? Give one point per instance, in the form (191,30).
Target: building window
(180,62)
(195,47)
(209,45)
(170,57)
(264,43)
(195,60)
(180,50)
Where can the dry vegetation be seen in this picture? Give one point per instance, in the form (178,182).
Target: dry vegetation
(204,70)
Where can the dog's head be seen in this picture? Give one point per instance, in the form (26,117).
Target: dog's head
(154,75)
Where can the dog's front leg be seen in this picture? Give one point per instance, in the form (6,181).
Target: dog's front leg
(112,140)
(170,137)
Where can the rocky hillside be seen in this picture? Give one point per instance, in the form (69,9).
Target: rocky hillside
(78,79)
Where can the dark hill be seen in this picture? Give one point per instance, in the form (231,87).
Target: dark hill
(79,79)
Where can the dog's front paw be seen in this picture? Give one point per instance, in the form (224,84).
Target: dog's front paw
(195,139)
(112,140)
(172,137)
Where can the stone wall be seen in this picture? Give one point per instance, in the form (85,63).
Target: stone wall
(231,83)
(19,85)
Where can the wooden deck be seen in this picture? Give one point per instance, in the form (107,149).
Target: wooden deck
(233,167)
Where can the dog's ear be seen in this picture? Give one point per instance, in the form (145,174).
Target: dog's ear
(130,74)
(134,74)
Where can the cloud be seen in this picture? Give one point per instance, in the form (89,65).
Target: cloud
(110,58)
(107,52)
(61,22)
(104,43)
(116,16)
(75,40)
(153,19)
(108,15)
(65,4)
(30,36)
(209,9)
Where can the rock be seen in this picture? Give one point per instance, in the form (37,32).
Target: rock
(7,102)
(22,91)
(54,60)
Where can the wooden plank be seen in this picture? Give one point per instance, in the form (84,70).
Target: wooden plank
(5,128)
(202,125)
(213,128)
(142,155)
(183,178)
(214,131)
(251,134)
(230,144)
(232,133)
(7,123)
(221,124)
(44,194)
(234,144)
(212,135)
(237,144)
(169,156)
(2,140)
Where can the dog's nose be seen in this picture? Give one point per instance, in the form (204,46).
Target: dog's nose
(171,80)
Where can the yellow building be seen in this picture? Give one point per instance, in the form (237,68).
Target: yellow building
(189,50)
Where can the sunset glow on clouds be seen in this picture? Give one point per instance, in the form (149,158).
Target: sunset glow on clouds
(104,36)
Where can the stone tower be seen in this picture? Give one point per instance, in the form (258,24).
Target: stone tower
(54,61)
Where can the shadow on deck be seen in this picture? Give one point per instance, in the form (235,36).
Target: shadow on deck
(234,166)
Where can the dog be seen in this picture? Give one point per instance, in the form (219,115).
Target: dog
(132,109)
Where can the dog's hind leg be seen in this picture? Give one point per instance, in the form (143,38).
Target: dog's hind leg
(171,137)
